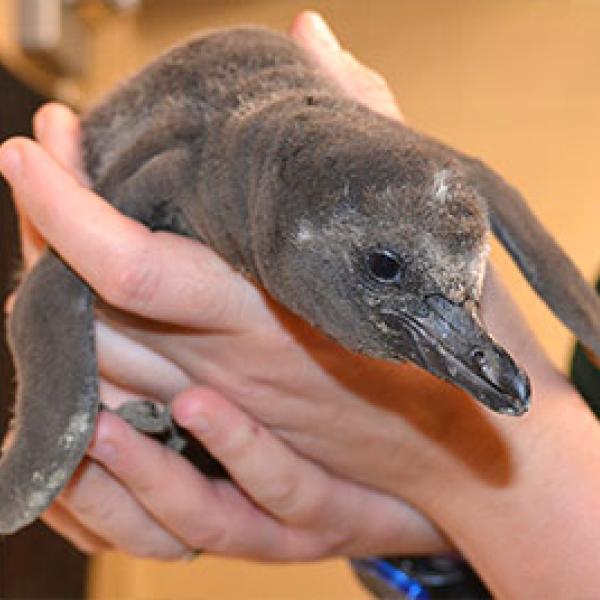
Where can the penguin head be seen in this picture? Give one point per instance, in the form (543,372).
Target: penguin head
(384,249)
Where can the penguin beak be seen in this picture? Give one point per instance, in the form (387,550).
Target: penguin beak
(448,340)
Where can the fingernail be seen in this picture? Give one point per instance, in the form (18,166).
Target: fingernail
(324,32)
(10,160)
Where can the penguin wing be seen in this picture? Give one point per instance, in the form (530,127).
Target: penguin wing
(541,260)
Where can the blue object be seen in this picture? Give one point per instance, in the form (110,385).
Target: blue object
(391,575)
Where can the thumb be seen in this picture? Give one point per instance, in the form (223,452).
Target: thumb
(362,84)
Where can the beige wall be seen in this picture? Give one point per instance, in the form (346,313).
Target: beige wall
(515,82)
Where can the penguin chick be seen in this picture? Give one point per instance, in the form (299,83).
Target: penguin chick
(373,233)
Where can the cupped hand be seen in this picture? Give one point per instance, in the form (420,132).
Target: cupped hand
(135,495)
(173,316)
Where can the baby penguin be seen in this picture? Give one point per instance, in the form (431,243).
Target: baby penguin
(373,233)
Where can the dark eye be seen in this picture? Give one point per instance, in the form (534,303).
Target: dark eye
(384,265)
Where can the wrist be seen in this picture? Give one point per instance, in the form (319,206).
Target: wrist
(536,505)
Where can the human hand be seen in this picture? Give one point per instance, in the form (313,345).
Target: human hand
(306,512)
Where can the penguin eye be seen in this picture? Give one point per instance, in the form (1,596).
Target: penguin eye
(384,265)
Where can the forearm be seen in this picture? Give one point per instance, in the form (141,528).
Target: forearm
(519,530)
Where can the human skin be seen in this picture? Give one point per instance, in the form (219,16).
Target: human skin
(519,497)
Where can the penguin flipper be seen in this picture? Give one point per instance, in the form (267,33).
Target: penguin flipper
(545,265)
(52,339)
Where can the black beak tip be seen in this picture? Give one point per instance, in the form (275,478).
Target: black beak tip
(515,408)
(508,389)
(516,392)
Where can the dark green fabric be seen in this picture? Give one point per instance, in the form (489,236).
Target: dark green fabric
(586,376)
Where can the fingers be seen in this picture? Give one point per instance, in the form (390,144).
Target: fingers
(104,508)
(156,275)
(363,84)
(57,129)
(133,366)
(291,488)
(32,243)
(140,478)
(207,515)
(139,497)
(297,491)
(61,520)
(96,512)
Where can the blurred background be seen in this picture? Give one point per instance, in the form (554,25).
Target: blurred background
(515,82)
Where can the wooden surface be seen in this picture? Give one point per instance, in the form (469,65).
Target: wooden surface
(516,82)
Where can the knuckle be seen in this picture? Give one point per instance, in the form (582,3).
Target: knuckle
(300,546)
(131,280)
(211,537)
(309,546)
(18,144)
(144,487)
(285,499)
(87,509)
(231,304)
(166,556)
(146,483)
(337,543)
(239,442)
(85,498)
(157,552)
